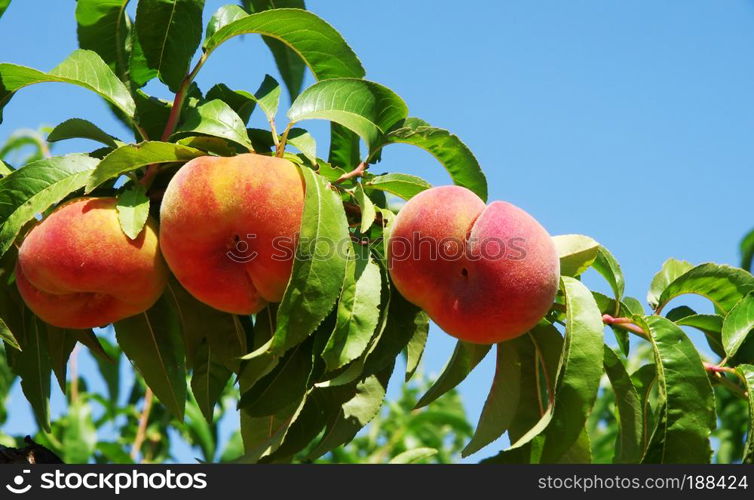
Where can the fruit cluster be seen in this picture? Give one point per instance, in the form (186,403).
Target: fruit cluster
(483,273)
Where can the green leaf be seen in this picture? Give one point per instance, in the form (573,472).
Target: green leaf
(368,212)
(83,68)
(402,321)
(285,384)
(364,107)
(415,351)
(578,380)
(169,33)
(358,310)
(152,341)
(721,284)
(257,366)
(134,156)
(304,142)
(133,211)
(76,128)
(268,97)
(60,344)
(709,324)
(464,359)
(4,169)
(319,266)
(3,6)
(577,253)
(32,365)
(105,27)
(737,325)
(629,447)
(222,17)
(413,455)
(35,188)
(671,269)
(607,265)
(688,413)
(288,62)
(208,380)
(263,435)
(355,413)
(320,46)
(402,185)
(215,118)
(223,331)
(746,372)
(240,101)
(7,335)
(447,148)
(509,389)
(152,113)
(747,251)
(79,434)
(345,147)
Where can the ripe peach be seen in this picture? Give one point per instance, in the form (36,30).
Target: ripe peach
(228,229)
(484,274)
(77,269)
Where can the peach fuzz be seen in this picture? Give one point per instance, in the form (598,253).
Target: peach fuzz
(77,269)
(228,229)
(484,274)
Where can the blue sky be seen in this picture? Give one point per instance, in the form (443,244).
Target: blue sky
(627,121)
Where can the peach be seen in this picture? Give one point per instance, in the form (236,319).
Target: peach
(484,274)
(228,229)
(77,269)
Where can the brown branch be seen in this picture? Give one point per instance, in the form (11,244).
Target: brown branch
(356,172)
(143,421)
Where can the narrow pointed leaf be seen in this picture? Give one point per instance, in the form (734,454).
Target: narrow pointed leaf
(464,359)
(747,251)
(318,271)
(721,284)
(152,341)
(35,188)
(288,62)
(208,380)
(133,211)
(688,413)
(223,16)
(366,108)
(577,253)
(607,265)
(215,118)
(402,185)
(447,148)
(77,128)
(358,310)
(240,101)
(134,156)
(738,324)
(747,373)
(104,27)
(83,68)
(629,445)
(169,32)
(671,269)
(320,46)
(581,369)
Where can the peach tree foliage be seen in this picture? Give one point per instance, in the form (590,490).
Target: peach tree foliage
(312,371)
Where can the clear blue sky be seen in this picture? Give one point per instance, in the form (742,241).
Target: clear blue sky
(631,122)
